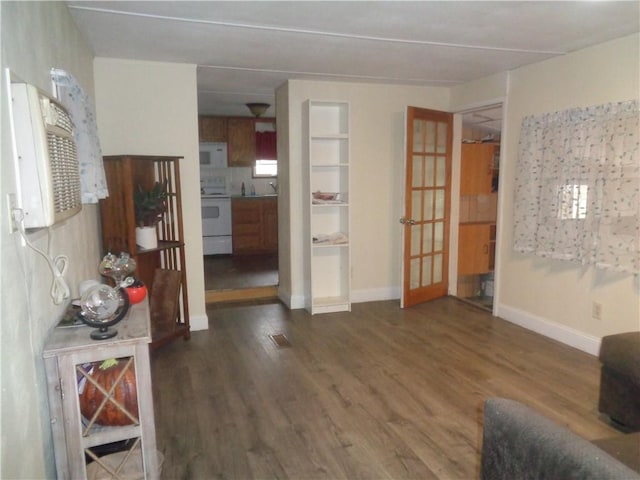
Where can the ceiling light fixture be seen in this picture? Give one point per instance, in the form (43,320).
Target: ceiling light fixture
(258,108)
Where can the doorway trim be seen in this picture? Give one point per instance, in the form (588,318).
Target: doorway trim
(455,194)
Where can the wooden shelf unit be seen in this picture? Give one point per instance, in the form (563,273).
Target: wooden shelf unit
(124,173)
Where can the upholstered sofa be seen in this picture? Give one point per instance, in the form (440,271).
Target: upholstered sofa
(519,443)
(620,380)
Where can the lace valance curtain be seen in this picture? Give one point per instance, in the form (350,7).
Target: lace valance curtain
(577,191)
(93,183)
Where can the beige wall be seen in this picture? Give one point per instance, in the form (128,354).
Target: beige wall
(36,36)
(549,296)
(376,140)
(150,108)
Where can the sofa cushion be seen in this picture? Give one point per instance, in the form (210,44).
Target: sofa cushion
(621,352)
(520,443)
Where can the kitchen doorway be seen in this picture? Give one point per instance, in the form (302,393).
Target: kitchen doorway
(240,277)
(477,228)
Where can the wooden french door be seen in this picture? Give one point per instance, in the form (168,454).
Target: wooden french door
(427,201)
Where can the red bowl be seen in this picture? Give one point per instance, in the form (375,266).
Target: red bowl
(136,294)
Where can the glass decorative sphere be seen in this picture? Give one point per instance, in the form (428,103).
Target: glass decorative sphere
(99,303)
(102,307)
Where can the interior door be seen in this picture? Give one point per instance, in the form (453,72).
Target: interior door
(427,200)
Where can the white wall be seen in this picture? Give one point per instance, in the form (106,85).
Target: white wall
(150,108)
(35,37)
(550,296)
(376,139)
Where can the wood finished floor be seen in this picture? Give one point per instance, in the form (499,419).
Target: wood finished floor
(376,393)
(225,272)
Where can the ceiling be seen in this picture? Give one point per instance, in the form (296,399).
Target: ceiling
(245,50)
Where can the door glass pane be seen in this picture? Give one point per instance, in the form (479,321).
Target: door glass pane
(437,268)
(428,205)
(414,273)
(416,204)
(428,171)
(431,137)
(427,237)
(415,240)
(426,271)
(438,236)
(418,136)
(442,138)
(441,172)
(439,211)
(416,180)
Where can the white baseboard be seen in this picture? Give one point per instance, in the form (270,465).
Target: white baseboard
(293,302)
(375,294)
(199,322)
(567,335)
(358,296)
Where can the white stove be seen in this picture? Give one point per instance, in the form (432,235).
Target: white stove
(216,217)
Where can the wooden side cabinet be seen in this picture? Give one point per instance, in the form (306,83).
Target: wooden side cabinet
(212,129)
(67,354)
(124,174)
(254,225)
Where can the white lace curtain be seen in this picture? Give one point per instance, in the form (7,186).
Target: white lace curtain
(577,193)
(93,183)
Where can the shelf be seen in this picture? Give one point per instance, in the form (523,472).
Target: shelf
(162,245)
(330,136)
(331,305)
(103,435)
(330,245)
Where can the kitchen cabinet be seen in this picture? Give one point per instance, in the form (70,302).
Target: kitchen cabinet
(478,168)
(327,248)
(67,354)
(478,209)
(476,252)
(241,139)
(254,225)
(212,129)
(124,173)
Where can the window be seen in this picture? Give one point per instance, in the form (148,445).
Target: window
(572,202)
(577,189)
(266,151)
(265,168)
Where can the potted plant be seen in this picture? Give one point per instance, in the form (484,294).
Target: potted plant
(150,206)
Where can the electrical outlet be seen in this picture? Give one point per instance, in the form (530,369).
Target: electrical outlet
(11,206)
(596,310)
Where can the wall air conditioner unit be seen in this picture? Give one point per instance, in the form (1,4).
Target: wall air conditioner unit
(47,161)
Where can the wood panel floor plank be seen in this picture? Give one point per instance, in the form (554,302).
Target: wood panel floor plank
(379,392)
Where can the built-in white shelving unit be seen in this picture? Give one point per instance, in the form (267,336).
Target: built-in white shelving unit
(327,218)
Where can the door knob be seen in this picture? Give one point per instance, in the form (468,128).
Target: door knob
(407,221)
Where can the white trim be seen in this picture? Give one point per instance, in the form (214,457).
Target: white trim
(199,322)
(563,334)
(376,294)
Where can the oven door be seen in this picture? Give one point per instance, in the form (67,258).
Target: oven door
(216,225)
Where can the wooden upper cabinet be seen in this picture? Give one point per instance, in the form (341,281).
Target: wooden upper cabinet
(212,129)
(241,142)
(477,168)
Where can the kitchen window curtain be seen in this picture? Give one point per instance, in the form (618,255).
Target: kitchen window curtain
(577,191)
(85,131)
(266,146)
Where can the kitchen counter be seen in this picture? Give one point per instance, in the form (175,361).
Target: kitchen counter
(255,197)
